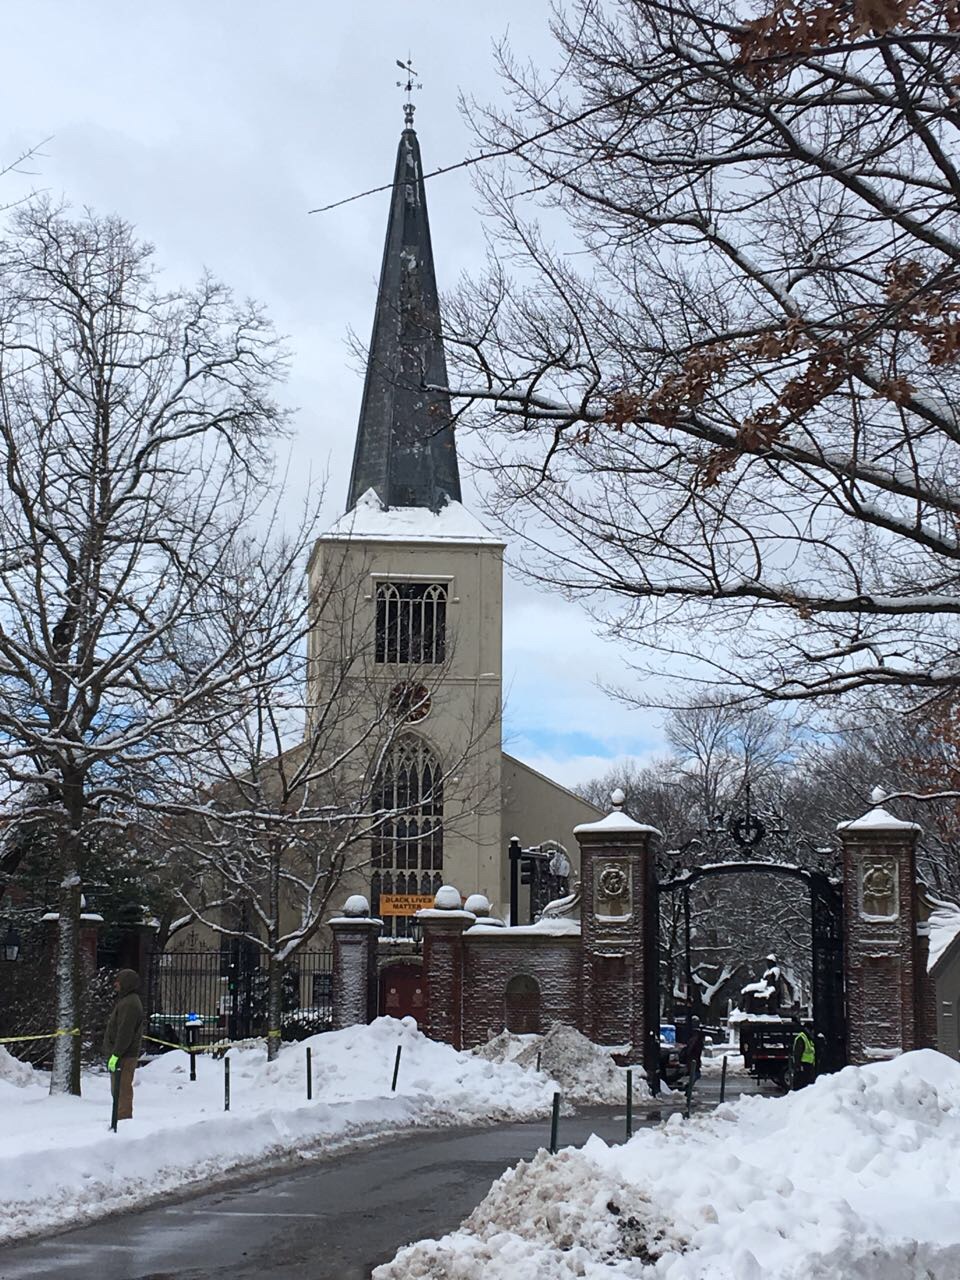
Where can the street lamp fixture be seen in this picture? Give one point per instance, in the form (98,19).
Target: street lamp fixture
(416,934)
(11,944)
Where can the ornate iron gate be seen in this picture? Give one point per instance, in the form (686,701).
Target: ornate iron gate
(744,841)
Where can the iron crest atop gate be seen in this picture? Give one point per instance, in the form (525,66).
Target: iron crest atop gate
(748,834)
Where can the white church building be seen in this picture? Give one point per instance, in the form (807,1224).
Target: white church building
(427,583)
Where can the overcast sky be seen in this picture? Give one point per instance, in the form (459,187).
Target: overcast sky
(214,127)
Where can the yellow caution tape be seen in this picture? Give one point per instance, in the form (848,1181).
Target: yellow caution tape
(47,1035)
(197,1048)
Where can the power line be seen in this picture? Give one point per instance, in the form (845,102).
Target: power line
(497,153)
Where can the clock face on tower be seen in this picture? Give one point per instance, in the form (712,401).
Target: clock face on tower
(411,701)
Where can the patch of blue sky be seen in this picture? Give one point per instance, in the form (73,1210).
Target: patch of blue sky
(575,743)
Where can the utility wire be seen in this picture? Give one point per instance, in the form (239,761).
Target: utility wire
(497,153)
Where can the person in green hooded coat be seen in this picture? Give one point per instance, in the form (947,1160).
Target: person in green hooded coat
(121,1040)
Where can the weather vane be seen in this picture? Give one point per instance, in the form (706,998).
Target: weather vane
(408,87)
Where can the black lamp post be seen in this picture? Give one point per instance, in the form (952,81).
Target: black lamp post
(11,944)
(416,934)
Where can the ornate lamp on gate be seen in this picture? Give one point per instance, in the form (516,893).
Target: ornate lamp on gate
(11,944)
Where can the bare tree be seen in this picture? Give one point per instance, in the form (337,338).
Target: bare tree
(734,920)
(718,386)
(136,426)
(300,795)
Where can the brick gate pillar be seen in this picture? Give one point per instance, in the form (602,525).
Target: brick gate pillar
(620,982)
(882,970)
(355,935)
(443,928)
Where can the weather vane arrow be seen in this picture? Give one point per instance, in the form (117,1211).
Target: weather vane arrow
(408,87)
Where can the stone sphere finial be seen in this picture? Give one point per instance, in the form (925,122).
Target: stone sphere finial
(447,898)
(877,796)
(478,903)
(617,798)
(356,905)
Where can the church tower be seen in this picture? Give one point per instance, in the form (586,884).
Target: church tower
(412,581)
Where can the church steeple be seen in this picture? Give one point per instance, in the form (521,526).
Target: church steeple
(405,447)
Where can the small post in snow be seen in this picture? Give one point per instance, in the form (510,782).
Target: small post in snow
(226,1081)
(629,1103)
(554,1124)
(723,1078)
(396,1069)
(192,1022)
(689,1090)
(115,1091)
(538,1059)
(309,1075)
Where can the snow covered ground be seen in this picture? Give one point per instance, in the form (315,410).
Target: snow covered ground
(59,1163)
(586,1073)
(854,1178)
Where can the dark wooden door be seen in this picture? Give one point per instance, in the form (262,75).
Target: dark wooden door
(403,992)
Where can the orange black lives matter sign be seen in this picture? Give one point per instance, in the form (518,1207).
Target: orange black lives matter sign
(404,904)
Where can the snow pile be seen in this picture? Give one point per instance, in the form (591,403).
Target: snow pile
(713,1065)
(59,1163)
(585,1072)
(855,1177)
(506,1046)
(944,927)
(14,1072)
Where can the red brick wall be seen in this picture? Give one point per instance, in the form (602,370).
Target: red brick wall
(619,961)
(491,959)
(354,971)
(443,974)
(881,956)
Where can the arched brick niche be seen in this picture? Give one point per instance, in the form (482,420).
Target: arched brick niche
(521,1005)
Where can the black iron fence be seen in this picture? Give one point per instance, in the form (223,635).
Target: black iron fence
(226,990)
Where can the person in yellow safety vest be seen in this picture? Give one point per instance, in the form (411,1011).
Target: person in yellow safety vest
(804,1059)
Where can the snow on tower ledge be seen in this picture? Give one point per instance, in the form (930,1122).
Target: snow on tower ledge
(371,521)
(616,820)
(878,818)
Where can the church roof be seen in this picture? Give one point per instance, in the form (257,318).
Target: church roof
(405,448)
(370,520)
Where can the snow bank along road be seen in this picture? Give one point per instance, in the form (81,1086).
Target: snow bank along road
(59,1165)
(334,1219)
(853,1178)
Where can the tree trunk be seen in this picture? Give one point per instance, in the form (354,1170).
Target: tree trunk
(274,976)
(274,967)
(65,1076)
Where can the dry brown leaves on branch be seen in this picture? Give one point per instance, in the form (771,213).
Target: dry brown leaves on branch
(790,29)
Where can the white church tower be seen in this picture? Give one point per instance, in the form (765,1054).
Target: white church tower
(420,587)
(423,580)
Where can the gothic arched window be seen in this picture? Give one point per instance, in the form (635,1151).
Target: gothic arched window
(407,851)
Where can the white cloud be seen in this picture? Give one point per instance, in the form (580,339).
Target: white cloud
(215,128)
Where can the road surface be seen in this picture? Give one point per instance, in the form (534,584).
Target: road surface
(329,1218)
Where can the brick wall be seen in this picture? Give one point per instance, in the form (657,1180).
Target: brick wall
(620,998)
(493,957)
(443,956)
(354,970)
(881,952)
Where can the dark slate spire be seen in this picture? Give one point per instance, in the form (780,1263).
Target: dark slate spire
(405,447)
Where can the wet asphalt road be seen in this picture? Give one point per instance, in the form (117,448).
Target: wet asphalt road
(329,1218)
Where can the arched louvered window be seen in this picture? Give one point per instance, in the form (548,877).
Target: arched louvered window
(407,851)
(411,622)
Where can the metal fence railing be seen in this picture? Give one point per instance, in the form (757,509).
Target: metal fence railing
(227,990)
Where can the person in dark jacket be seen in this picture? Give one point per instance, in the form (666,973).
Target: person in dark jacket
(121,1040)
(692,1051)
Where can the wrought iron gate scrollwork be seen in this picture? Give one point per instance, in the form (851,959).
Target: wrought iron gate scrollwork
(744,840)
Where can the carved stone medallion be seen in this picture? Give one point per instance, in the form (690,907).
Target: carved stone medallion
(879,897)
